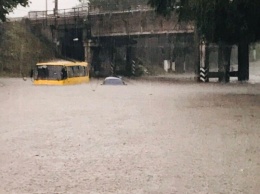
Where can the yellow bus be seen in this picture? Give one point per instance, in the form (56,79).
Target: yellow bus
(61,73)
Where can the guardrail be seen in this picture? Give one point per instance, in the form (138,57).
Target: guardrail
(107,8)
(84,10)
(77,11)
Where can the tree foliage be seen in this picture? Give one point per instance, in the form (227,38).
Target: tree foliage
(7,6)
(217,20)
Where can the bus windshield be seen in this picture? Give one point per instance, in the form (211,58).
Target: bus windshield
(49,72)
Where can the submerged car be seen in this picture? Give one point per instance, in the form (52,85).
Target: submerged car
(113,81)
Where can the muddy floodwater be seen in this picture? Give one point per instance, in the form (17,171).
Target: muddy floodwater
(146,137)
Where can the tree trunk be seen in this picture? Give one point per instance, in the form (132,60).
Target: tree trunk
(243,61)
(207,53)
(224,55)
(196,55)
(2,65)
(128,60)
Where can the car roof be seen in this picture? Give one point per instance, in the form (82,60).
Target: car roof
(111,77)
(111,80)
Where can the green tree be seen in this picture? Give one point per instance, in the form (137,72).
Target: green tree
(220,21)
(7,6)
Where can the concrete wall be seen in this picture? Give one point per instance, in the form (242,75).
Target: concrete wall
(135,23)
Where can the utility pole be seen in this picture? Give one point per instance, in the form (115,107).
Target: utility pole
(56,8)
(46,16)
(46,6)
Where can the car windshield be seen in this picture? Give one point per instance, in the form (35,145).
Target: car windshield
(113,81)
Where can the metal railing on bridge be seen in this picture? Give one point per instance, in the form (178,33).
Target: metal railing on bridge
(116,8)
(85,10)
(76,11)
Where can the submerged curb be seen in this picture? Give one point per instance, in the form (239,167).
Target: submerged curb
(166,79)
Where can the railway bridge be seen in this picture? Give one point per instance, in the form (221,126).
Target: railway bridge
(112,40)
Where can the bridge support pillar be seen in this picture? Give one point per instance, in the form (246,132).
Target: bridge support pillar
(243,61)
(224,53)
(87,48)
(129,60)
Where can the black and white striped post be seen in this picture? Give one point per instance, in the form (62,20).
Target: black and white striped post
(204,65)
(133,67)
(204,74)
(112,69)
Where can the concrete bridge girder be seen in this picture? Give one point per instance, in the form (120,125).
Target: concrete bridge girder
(140,23)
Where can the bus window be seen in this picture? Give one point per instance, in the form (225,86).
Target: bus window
(55,72)
(86,71)
(64,73)
(42,72)
(70,72)
(81,71)
(76,71)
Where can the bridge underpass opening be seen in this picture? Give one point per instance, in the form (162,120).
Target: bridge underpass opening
(72,44)
(113,55)
(147,52)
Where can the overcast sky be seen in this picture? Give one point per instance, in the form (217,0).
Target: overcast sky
(39,5)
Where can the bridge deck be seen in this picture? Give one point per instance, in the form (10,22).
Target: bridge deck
(134,22)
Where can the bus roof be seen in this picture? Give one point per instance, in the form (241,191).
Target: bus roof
(63,63)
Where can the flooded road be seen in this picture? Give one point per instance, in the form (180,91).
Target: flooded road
(146,137)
